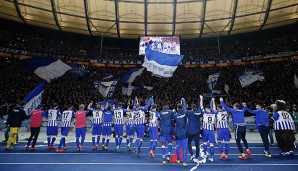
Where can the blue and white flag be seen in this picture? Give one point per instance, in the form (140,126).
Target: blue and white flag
(106,89)
(248,78)
(130,76)
(160,63)
(33,99)
(46,68)
(212,80)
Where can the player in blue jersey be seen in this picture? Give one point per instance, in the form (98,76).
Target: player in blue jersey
(52,128)
(96,125)
(240,132)
(118,125)
(153,130)
(66,121)
(139,116)
(107,127)
(193,129)
(208,130)
(166,131)
(180,132)
(262,123)
(223,132)
(129,126)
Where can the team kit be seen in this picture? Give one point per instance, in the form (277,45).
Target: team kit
(166,126)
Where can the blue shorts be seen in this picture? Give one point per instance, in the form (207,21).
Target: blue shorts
(140,128)
(64,131)
(118,129)
(208,136)
(80,132)
(182,143)
(153,132)
(223,134)
(166,139)
(96,129)
(52,130)
(129,130)
(106,130)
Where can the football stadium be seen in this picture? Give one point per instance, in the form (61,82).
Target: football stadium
(148,85)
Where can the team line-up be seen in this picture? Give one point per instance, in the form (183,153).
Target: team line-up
(181,123)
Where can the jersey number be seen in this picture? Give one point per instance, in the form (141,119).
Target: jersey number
(66,115)
(209,119)
(118,115)
(223,117)
(285,115)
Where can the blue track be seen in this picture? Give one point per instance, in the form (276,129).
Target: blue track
(48,160)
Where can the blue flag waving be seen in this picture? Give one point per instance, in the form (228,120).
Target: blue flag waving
(132,74)
(46,68)
(33,99)
(161,64)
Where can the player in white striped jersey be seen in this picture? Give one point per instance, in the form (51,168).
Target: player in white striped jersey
(129,126)
(118,125)
(66,121)
(153,130)
(208,129)
(52,128)
(223,132)
(97,124)
(139,116)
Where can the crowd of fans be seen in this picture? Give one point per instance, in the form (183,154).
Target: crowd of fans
(68,50)
(17,82)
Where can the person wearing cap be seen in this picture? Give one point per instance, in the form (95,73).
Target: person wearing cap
(35,124)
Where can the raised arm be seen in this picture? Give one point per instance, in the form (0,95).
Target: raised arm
(201,102)
(89,106)
(244,107)
(183,104)
(212,104)
(148,104)
(251,111)
(224,105)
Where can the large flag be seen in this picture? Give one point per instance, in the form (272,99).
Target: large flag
(106,89)
(295,81)
(212,80)
(33,99)
(160,63)
(248,78)
(132,74)
(46,68)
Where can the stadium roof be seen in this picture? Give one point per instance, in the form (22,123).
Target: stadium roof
(133,18)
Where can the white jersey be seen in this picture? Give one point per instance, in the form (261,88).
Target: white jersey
(66,118)
(97,116)
(208,121)
(118,116)
(283,121)
(153,118)
(52,117)
(130,118)
(139,116)
(222,119)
